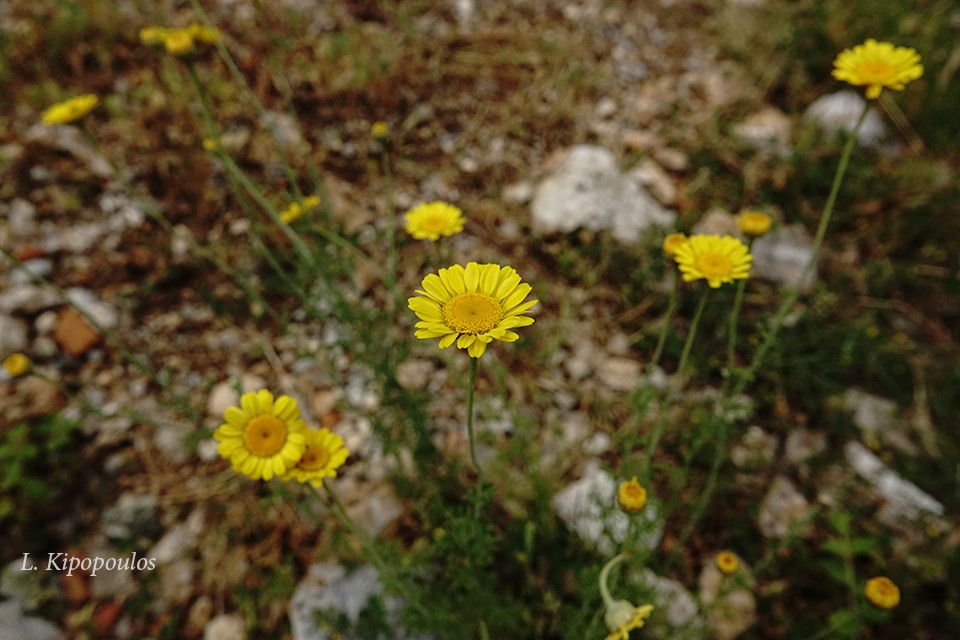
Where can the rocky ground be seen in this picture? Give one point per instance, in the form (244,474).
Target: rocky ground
(564,130)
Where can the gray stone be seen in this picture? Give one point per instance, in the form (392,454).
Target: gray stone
(728,600)
(756,449)
(69,139)
(588,506)
(14,625)
(86,302)
(674,603)
(587,190)
(21,218)
(839,111)
(378,507)
(903,500)
(133,515)
(31,270)
(28,299)
(652,176)
(878,421)
(803,444)
(224,394)
(328,590)
(767,130)
(13,336)
(226,626)
(29,588)
(782,255)
(619,374)
(783,510)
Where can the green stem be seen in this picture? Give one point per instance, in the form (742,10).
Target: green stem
(787,304)
(604,574)
(392,261)
(665,329)
(674,387)
(732,327)
(471,385)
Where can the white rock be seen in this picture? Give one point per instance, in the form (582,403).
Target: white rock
(69,139)
(21,219)
(587,190)
(904,501)
(803,444)
(619,374)
(27,298)
(224,394)
(227,626)
(678,605)
(284,129)
(766,130)
(588,506)
(757,448)
(87,302)
(518,192)
(730,605)
(14,625)
(877,418)
(652,176)
(378,507)
(78,238)
(782,255)
(783,509)
(839,111)
(13,336)
(38,267)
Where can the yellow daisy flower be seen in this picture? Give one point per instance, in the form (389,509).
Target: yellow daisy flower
(434,219)
(16,365)
(153,35)
(631,497)
(753,223)
(882,593)
(262,438)
(727,562)
(203,33)
(472,306)
(70,110)
(673,242)
(295,211)
(878,66)
(178,41)
(324,454)
(717,259)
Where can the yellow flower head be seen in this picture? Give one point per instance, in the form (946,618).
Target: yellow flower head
(472,306)
(717,259)
(203,33)
(153,35)
(631,497)
(622,617)
(672,243)
(434,219)
(70,110)
(262,438)
(882,593)
(178,41)
(727,562)
(321,459)
(878,66)
(295,211)
(379,130)
(753,223)
(16,365)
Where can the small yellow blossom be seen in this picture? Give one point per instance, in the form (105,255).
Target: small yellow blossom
(434,219)
(16,365)
(379,130)
(178,42)
(620,616)
(727,562)
(754,223)
(70,110)
(878,66)
(882,593)
(295,211)
(204,34)
(673,242)
(153,35)
(631,497)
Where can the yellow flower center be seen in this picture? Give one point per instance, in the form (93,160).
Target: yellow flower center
(715,265)
(437,224)
(264,435)
(314,458)
(472,313)
(876,71)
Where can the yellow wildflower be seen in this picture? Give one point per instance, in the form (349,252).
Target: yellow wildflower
(882,592)
(878,66)
(70,110)
(631,497)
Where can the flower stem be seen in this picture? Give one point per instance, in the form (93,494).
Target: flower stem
(787,304)
(732,327)
(604,573)
(674,387)
(471,385)
(665,329)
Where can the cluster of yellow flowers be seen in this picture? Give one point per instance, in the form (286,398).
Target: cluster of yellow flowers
(295,211)
(266,437)
(180,41)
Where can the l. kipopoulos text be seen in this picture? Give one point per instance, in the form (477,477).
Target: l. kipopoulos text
(62,561)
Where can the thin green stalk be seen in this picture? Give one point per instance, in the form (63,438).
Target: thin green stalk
(668,318)
(471,385)
(787,304)
(732,327)
(657,434)
(392,261)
